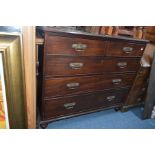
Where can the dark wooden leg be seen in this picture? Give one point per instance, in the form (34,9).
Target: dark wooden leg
(44,125)
(150,94)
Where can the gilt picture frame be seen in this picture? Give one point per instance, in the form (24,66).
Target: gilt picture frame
(13,87)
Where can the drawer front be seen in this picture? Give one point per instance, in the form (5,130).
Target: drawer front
(125,49)
(71,105)
(74,46)
(76,85)
(69,66)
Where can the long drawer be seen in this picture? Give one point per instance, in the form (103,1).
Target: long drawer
(70,66)
(75,85)
(125,49)
(63,106)
(74,46)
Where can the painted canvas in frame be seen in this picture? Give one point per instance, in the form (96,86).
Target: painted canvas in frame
(4,122)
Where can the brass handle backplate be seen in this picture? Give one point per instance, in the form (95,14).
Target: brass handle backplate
(73,85)
(111,98)
(116,81)
(122,64)
(127,49)
(69,105)
(79,47)
(76,65)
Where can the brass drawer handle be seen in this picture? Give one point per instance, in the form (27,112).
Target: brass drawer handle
(79,47)
(69,105)
(110,98)
(76,65)
(122,64)
(73,85)
(116,81)
(127,49)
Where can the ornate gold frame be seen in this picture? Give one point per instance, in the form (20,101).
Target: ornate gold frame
(11,49)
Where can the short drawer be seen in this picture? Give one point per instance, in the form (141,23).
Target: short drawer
(58,45)
(69,66)
(59,107)
(125,49)
(75,85)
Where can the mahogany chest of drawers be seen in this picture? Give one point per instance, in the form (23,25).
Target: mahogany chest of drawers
(81,73)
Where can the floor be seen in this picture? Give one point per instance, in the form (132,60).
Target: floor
(107,119)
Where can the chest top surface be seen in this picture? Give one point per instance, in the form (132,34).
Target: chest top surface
(85,35)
